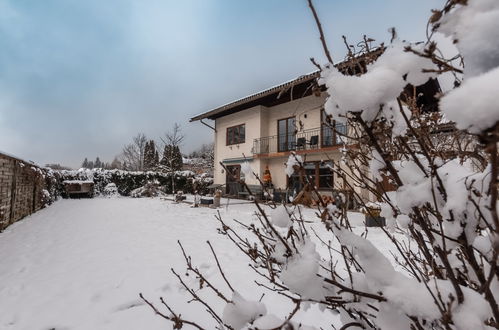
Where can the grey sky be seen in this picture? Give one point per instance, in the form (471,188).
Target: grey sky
(80,78)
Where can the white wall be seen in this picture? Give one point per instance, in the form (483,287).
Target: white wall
(252,120)
(306,109)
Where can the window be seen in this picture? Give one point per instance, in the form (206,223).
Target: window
(286,134)
(320,175)
(331,136)
(236,134)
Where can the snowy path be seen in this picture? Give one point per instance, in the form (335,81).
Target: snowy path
(80,264)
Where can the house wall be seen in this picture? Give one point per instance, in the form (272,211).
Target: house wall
(262,122)
(306,110)
(252,118)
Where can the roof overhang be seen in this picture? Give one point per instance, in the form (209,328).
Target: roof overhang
(267,97)
(290,90)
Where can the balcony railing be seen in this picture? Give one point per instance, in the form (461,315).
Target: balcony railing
(310,139)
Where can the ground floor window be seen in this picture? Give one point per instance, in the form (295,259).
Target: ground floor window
(320,174)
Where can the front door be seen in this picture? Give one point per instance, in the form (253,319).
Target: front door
(232,178)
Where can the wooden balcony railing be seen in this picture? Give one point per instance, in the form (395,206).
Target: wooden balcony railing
(315,138)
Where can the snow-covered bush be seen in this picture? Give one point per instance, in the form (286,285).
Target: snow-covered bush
(435,175)
(127,181)
(110,190)
(150,189)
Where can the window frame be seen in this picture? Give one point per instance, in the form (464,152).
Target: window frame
(315,176)
(230,136)
(333,126)
(288,147)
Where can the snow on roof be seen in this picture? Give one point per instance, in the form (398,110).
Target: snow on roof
(19,158)
(77,181)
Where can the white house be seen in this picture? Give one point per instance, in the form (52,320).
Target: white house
(263,129)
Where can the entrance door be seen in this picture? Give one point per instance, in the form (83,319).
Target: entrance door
(286,134)
(232,178)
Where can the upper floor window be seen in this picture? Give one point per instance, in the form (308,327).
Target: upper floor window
(286,134)
(332,132)
(236,134)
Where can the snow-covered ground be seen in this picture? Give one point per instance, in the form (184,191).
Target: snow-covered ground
(81,264)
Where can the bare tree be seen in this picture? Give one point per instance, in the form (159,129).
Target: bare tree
(172,157)
(132,155)
(175,137)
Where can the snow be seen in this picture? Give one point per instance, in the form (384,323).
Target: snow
(77,181)
(269,321)
(280,217)
(18,158)
(293,160)
(475,30)
(299,274)
(376,164)
(475,27)
(473,106)
(247,170)
(80,264)
(383,82)
(240,311)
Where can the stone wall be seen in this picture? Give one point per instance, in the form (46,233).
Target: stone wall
(21,189)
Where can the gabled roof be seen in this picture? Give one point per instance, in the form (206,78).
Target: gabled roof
(265,97)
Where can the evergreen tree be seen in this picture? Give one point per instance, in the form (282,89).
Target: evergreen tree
(116,164)
(97,163)
(90,164)
(177,159)
(85,163)
(150,161)
(172,158)
(156,158)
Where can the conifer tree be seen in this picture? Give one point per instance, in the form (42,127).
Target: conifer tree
(150,153)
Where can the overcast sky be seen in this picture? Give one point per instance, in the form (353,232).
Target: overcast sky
(80,78)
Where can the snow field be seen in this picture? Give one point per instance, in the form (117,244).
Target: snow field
(80,264)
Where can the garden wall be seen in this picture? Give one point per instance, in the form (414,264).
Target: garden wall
(22,187)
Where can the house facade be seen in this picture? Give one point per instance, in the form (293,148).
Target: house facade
(264,128)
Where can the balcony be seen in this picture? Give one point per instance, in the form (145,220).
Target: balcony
(311,139)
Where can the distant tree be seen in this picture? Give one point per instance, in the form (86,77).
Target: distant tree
(57,167)
(175,137)
(205,155)
(115,164)
(133,154)
(97,163)
(85,163)
(90,164)
(172,158)
(207,152)
(150,154)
